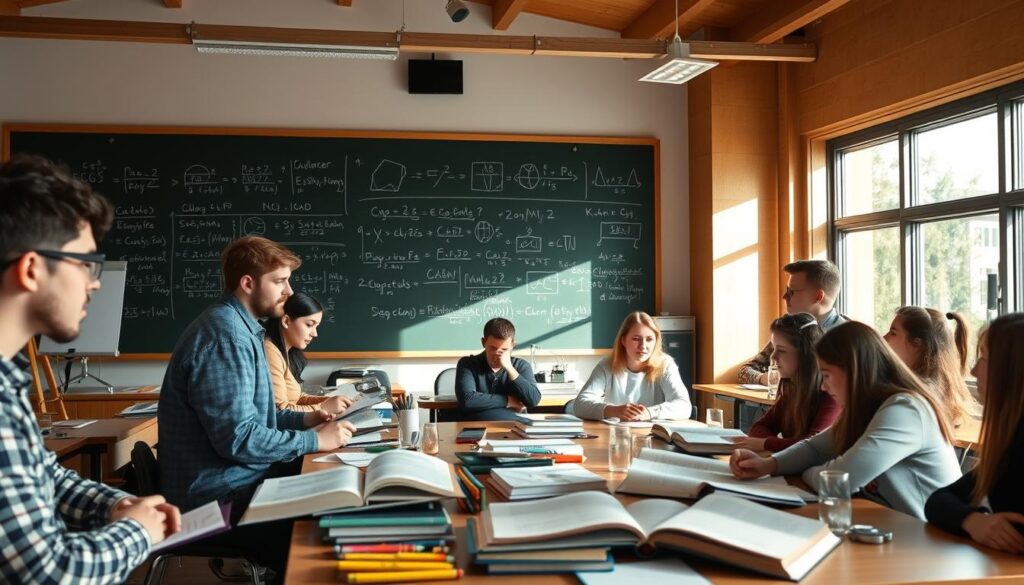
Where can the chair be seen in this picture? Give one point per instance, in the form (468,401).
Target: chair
(147,475)
(444,384)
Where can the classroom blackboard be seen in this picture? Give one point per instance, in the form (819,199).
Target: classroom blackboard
(411,241)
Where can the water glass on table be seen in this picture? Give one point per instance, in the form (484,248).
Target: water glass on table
(640,442)
(620,447)
(834,506)
(773,381)
(429,442)
(715,418)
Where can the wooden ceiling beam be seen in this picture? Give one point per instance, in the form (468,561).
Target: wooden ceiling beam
(179,33)
(658,22)
(782,17)
(503,12)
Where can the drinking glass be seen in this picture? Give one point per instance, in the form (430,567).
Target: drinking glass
(429,442)
(773,381)
(715,418)
(619,448)
(640,442)
(45,420)
(834,506)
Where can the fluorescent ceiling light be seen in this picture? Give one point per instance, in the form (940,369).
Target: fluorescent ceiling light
(295,50)
(680,67)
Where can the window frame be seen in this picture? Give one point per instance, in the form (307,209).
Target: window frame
(1008,104)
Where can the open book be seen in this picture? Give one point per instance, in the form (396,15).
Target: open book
(197,524)
(699,440)
(656,472)
(396,476)
(720,527)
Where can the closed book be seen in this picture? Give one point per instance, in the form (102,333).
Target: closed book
(547,433)
(549,420)
(656,472)
(551,567)
(430,514)
(518,484)
(721,527)
(370,533)
(480,464)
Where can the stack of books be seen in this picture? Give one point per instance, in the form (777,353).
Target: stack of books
(534,426)
(720,527)
(140,410)
(544,482)
(413,524)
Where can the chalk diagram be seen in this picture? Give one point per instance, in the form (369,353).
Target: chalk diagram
(528,176)
(484,231)
(620,230)
(541,283)
(254,226)
(529,243)
(199,175)
(387,177)
(632,182)
(487,177)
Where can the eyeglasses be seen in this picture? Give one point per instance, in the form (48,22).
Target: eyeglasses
(93,263)
(789,291)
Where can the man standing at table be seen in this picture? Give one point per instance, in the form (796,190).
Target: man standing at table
(493,385)
(812,288)
(220,433)
(54,525)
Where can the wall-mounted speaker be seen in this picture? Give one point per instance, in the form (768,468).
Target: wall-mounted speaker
(435,76)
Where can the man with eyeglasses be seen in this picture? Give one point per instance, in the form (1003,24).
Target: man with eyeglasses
(813,288)
(54,525)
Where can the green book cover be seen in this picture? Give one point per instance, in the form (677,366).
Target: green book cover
(398,518)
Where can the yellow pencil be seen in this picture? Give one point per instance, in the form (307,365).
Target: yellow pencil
(392,566)
(405,577)
(399,556)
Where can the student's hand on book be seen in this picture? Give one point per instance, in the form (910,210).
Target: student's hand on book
(998,531)
(745,464)
(331,436)
(752,443)
(336,404)
(159,518)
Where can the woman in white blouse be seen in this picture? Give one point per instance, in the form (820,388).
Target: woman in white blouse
(638,382)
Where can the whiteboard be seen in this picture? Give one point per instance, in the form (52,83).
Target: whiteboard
(100,332)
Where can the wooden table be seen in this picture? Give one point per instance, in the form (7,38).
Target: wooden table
(918,553)
(107,404)
(111,439)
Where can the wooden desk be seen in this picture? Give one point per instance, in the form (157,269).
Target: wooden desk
(919,553)
(111,439)
(107,404)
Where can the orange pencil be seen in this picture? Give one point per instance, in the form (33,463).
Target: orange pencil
(404,577)
(399,556)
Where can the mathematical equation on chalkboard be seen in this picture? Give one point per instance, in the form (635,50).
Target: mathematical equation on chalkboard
(418,239)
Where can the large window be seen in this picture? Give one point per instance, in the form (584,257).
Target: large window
(929,210)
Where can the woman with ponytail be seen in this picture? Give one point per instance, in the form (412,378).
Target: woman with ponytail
(987,504)
(923,340)
(802,409)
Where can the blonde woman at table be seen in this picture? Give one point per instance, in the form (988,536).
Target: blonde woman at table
(923,340)
(802,409)
(986,503)
(894,437)
(638,382)
(287,337)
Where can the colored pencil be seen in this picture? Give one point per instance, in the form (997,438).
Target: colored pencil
(404,577)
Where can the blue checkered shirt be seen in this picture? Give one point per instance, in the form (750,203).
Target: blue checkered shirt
(219,428)
(53,523)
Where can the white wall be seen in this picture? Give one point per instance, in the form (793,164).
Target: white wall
(136,83)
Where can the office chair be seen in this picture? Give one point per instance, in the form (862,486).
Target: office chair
(445,384)
(147,475)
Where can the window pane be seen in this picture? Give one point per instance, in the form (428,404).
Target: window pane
(959,254)
(871,178)
(959,160)
(1017,145)
(871,275)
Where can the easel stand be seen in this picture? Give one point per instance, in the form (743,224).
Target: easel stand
(42,362)
(84,374)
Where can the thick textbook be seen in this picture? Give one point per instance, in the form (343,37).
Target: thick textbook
(720,527)
(542,482)
(656,472)
(698,440)
(395,476)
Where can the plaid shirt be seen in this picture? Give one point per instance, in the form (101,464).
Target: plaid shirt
(219,428)
(53,523)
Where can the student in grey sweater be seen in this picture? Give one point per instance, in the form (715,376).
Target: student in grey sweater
(638,382)
(893,437)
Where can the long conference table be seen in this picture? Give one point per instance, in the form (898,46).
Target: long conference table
(919,553)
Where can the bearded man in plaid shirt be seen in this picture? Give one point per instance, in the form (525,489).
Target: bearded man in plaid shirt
(56,527)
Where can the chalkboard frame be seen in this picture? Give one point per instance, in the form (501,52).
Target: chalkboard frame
(13,128)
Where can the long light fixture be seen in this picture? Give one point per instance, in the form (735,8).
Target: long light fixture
(295,49)
(680,67)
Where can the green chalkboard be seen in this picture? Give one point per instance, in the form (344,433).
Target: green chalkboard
(411,241)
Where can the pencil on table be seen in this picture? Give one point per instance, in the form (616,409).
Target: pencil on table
(404,577)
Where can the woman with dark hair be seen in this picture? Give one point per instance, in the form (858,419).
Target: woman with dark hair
(987,503)
(287,337)
(923,340)
(802,409)
(894,438)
